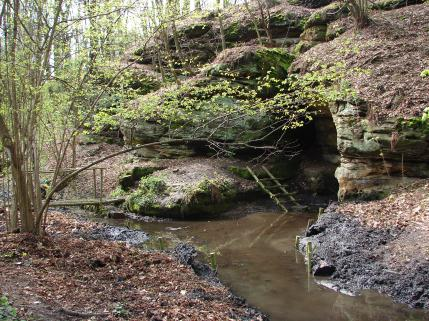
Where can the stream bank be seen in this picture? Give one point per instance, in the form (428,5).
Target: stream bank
(67,275)
(380,245)
(257,260)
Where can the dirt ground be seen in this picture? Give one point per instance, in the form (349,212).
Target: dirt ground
(82,186)
(66,277)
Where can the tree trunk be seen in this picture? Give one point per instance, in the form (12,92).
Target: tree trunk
(221,28)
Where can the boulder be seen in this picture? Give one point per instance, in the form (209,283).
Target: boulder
(310,3)
(317,26)
(323,268)
(314,33)
(199,188)
(250,62)
(325,15)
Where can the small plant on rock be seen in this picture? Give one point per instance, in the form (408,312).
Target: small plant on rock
(144,197)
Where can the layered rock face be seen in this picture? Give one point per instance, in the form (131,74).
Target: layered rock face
(367,144)
(376,157)
(382,135)
(218,90)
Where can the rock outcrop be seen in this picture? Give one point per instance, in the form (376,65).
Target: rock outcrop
(382,133)
(196,188)
(375,139)
(377,157)
(222,88)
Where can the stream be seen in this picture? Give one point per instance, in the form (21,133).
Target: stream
(257,260)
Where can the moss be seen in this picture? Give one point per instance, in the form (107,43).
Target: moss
(195,30)
(276,60)
(152,184)
(252,64)
(143,200)
(209,196)
(418,125)
(128,179)
(327,14)
(118,192)
(334,31)
(304,46)
(240,172)
(232,32)
(314,33)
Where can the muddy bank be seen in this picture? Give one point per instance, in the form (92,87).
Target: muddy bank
(358,257)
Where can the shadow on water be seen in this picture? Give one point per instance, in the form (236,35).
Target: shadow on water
(257,259)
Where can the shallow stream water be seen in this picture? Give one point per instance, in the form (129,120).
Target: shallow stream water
(257,260)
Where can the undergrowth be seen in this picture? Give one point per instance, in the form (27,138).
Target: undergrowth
(145,195)
(7,311)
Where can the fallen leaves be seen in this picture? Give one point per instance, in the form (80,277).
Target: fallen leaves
(407,206)
(104,279)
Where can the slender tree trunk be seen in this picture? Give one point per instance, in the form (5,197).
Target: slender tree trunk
(265,21)
(197,4)
(254,21)
(186,7)
(221,28)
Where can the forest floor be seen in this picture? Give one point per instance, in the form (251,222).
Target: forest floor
(381,245)
(384,61)
(82,186)
(67,275)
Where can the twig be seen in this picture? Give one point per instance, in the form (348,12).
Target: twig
(82,314)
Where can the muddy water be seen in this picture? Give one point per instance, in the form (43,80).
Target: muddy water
(256,258)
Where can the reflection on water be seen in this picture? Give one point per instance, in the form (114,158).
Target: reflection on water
(258,261)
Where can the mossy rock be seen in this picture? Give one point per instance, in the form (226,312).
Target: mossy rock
(129,179)
(314,33)
(310,3)
(393,4)
(304,46)
(196,30)
(139,80)
(251,62)
(289,22)
(200,111)
(208,197)
(333,31)
(238,31)
(327,14)
(144,199)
